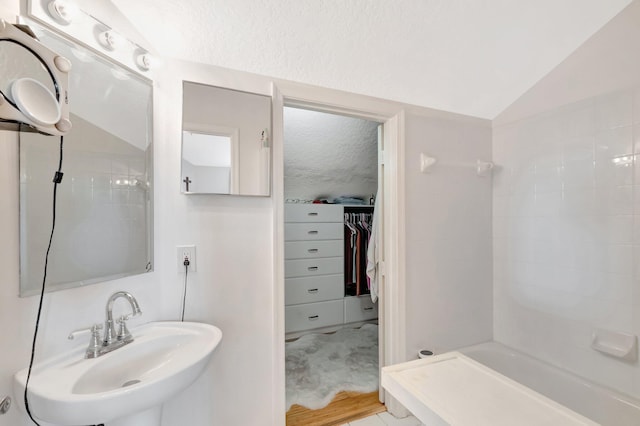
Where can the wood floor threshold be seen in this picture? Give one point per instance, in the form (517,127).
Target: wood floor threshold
(345,407)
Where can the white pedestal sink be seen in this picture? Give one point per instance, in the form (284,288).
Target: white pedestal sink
(125,387)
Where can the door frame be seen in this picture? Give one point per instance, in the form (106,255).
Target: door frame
(392,285)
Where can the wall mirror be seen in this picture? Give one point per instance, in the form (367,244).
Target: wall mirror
(225,141)
(104,221)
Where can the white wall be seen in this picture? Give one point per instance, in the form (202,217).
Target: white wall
(328,155)
(566,215)
(232,289)
(234,286)
(449,277)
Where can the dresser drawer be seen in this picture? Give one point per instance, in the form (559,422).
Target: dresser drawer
(313,289)
(313,267)
(313,315)
(359,309)
(313,249)
(313,231)
(313,213)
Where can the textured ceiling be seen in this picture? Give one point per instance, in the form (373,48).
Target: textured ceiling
(473,57)
(327,155)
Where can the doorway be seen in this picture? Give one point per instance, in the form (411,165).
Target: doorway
(331,177)
(391,169)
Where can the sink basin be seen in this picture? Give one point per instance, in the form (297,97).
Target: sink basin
(164,359)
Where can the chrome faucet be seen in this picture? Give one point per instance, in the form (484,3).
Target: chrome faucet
(123,335)
(111,340)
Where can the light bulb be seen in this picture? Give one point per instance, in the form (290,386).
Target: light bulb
(144,61)
(110,39)
(62,11)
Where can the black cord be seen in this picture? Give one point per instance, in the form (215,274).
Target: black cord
(186,264)
(56,180)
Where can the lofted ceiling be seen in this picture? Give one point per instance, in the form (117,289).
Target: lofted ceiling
(472,57)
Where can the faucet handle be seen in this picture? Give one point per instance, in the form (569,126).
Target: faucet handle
(93,329)
(94,342)
(123,331)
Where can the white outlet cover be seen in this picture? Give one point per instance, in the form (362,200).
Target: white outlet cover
(187,250)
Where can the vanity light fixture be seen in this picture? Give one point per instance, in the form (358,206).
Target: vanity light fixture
(62,11)
(109,39)
(144,61)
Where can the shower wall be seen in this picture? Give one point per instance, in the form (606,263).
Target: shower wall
(448,242)
(566,208)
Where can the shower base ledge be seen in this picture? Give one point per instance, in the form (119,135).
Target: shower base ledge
(452,389)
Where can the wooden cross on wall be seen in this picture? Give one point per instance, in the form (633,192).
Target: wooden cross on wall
(187,181)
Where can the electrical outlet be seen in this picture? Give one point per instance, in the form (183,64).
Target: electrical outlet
(186,252)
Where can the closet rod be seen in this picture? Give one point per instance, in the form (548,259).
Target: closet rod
(358,209)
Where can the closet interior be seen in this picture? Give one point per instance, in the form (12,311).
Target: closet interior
(330,232)
(326,283)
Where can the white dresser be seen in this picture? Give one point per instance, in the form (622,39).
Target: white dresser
(314,270)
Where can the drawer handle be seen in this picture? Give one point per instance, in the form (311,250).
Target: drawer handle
(313,232)
(312,250)
(313,317)
(313,213)
(370,308)
(312,268)
(312,290)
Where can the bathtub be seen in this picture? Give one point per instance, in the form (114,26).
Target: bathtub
(599,404)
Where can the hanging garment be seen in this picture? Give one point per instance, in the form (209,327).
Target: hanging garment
(373,254)
(363,235)
(350,235)
(366,224)
(357,234)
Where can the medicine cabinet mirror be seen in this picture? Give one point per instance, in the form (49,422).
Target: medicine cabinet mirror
(104,220)
(225,141)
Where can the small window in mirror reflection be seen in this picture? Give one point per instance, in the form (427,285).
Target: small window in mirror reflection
(210,161)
